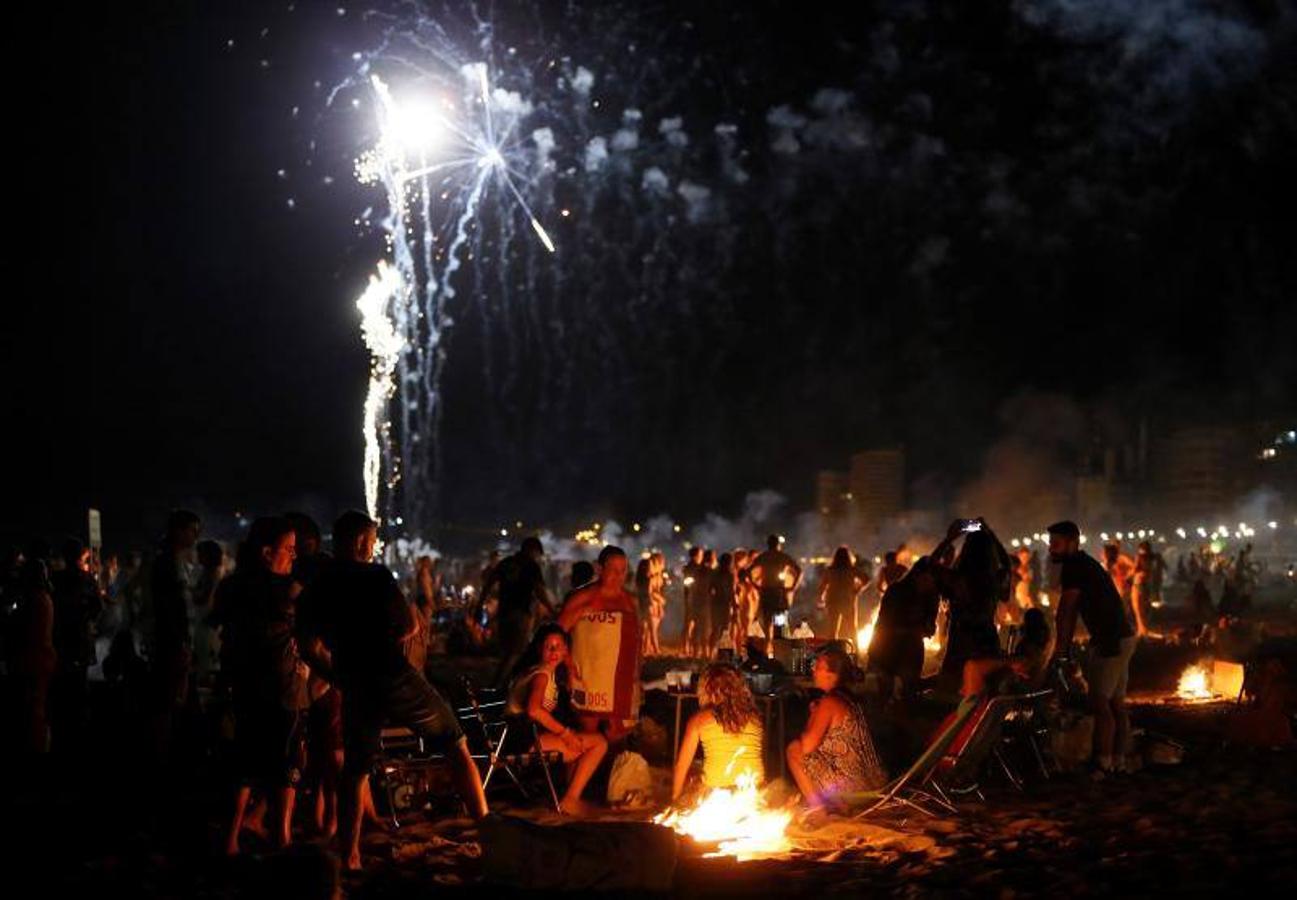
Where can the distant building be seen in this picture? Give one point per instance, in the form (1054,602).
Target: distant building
(876,483)
(832,494)
(1200,472)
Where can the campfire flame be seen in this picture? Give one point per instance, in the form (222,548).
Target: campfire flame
(737,819)
(865,636)
(1194,685)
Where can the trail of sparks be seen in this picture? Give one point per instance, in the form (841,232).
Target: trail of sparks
(404,307)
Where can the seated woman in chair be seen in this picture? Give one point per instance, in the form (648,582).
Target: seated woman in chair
(729,729)
(536,693)
(835,754)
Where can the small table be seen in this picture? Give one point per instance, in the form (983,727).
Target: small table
(772,711)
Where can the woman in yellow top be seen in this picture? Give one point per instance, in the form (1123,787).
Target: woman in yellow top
(729,728)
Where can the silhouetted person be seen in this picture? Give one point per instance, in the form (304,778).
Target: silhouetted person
(696,589)
(324,715)
(974,586)
(906,615)
(776,575)
(170,651)
(76,608)
(356,611)
(840,585)
(520,584)
(1089,591)
(891,571)
(255,610)
(29,653)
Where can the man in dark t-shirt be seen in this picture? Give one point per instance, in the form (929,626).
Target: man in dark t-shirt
(520,585)
(1088,591)
(355,609)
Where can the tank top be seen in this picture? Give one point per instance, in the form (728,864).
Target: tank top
(726,756)
(520,692)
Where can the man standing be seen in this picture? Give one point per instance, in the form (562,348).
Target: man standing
(1088,591)
(892,571)
(1146,587)
(76,607)
(520,583)
(776,575)
(603,620)
(172,642)
(695,582)
(356,610)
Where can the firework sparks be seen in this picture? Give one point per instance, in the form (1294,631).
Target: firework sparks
(435,161)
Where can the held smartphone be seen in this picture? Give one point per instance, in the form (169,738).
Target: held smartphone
(971,525)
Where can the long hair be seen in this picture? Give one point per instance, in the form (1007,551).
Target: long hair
(725,691)
(984,565)
(531,657)
(841,559)
(841,664)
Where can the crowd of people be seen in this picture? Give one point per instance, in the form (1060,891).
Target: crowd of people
(311,653)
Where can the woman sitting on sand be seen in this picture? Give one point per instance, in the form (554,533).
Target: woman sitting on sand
(729,728)
(835,755)
(536,693)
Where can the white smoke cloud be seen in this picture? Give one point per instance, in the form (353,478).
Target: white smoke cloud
(755,521)
(596,154)
(672,130)
(697,200)
(655,181)
(1167,51)
(583,80)
(511,102)
(545,144)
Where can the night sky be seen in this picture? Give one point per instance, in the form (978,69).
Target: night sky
(991,200)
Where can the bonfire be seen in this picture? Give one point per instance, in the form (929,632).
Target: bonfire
(736,819)
(1194,685)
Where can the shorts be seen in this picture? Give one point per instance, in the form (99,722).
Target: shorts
(407,700)
(267,744)
(773,601)
(1108,675)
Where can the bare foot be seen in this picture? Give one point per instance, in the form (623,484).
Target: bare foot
(352,862)
(232,847)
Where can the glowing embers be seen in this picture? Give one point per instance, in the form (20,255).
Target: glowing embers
(736,819)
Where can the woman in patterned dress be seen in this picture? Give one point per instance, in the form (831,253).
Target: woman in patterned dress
(835,755)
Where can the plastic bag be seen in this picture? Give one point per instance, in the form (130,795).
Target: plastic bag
(630,783)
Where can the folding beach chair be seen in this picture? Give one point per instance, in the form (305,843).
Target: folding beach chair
(488,725)
(1025,725)
(908,790)
(958,772)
